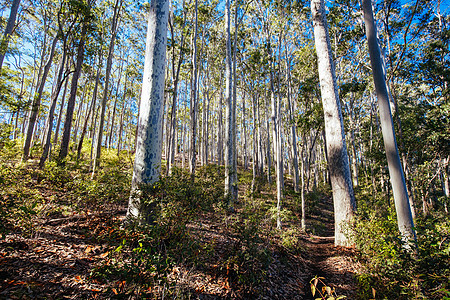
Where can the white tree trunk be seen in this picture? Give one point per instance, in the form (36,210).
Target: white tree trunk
(194,99)
(343,197)
(230,186)
(293,125)
(147,163)
(404,216)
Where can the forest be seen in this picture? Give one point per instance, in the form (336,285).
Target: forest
(224,149)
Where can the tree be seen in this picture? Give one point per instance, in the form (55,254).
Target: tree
(8,30)
(147,163)
(86,10)
(343,197)
(404,216)
(194,100)
(114,25)
(230,166)
(37,101)
(59,82)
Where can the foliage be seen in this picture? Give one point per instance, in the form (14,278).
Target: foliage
(20,203)
(396,271)
(325,292)
(146,255)
(9,148)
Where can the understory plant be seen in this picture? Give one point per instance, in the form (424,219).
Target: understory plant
(394,270)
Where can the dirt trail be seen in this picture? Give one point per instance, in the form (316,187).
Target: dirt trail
(337,265)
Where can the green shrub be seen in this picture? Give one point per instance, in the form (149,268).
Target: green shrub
(396,272)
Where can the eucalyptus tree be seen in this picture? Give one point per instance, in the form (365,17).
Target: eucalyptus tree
(147,162)
(343,197)
(230,155)
(176,67)
(92,107)
(63,34)
(8,30)
(194,98)
(85,10)
(293,130)
(404,216)
(114,26)
(36,102)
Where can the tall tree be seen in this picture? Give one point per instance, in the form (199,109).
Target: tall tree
(404,216)
(194,100)
(147,163)
(8,30)
(86,11)
(114,25)
(176,67)
(230,183)
(343,197)
(59,82)
(37,101)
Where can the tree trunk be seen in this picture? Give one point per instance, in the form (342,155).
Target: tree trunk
(343,197)
(147,163)
(404,216)
(79,115)
(293,125)
(111,130)
(276,132)
(37,102)
(220,132)
(114,25)
(59,83)
(8,31)
(302,173)
(255,163)
(61,108)
(73,93)
(124,105)
(91,110)
(176,76)
(194,101)
(230,187)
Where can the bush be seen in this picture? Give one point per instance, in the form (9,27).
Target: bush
(396,272)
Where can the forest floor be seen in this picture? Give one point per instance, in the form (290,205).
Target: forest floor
(78,255)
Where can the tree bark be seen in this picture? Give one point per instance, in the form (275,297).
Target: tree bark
(8,30)
(59,82)
(230,186)
(176,77)
(73,93)
(147,163)
(343,197)
(402,206)
(37,102)
(114,25)
(90,111)
(293,125)
(194,101)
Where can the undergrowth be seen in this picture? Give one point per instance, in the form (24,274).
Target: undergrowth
(391,268)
